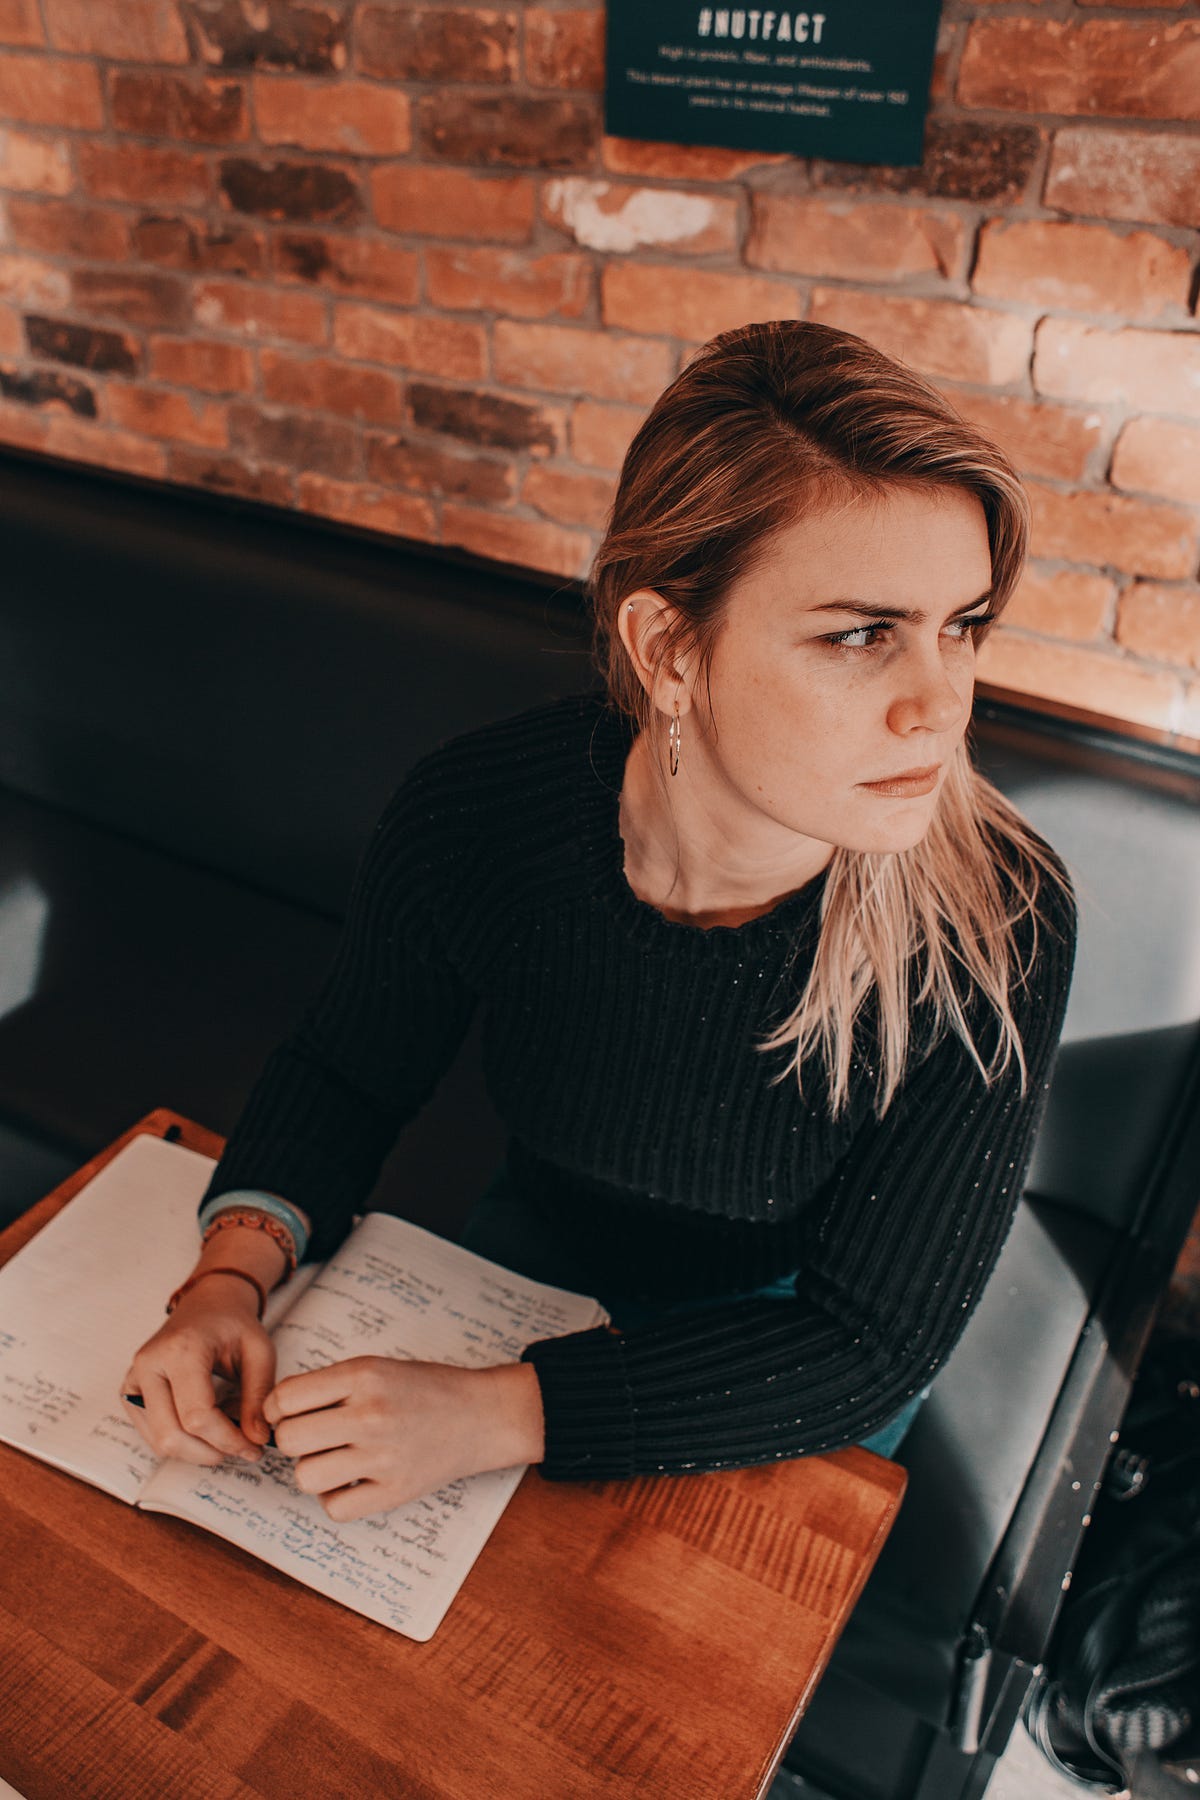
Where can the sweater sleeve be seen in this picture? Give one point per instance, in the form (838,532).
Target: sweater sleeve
(899,1246)
(372,1046)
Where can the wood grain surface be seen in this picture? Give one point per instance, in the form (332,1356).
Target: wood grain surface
(656,1637)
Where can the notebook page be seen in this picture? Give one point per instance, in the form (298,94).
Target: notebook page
(78,1300)
(392,1290)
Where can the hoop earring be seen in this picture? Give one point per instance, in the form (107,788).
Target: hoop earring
(674,739)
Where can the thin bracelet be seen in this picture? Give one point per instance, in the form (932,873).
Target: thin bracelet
(252,1218)
(185,1287)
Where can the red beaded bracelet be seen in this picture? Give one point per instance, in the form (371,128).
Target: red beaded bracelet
(185,1287)
(251,1219)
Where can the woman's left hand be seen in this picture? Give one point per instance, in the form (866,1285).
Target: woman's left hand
(371,1433)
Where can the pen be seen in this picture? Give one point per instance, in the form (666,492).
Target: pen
(136,1400)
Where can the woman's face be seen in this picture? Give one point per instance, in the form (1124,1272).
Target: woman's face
(842,675)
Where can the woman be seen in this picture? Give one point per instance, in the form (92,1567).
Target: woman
(771,978)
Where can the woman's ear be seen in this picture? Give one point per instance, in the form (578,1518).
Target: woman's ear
(648,624)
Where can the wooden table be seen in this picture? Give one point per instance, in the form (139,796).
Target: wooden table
(656,1637)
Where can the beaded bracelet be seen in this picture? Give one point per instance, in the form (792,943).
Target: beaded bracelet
(255,1200)
(186,1286)
(251,1219)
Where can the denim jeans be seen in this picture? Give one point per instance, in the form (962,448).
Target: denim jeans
(505,1229)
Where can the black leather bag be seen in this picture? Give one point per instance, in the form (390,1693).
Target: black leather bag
(1122,1677)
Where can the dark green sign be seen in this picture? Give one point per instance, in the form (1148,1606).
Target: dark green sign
(849,84)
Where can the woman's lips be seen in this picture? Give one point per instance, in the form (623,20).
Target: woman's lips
(909,786)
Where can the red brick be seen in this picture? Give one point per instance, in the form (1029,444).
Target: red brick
(260,312)
(689,303)
(78,440)
(316,193)
(1152,175)
(452,203)
(949,43)
(121,30)
(526,132)
(349,265)
(603,216)
(230,475)
(569,498)
(497,421)
(1062,603)
(12,333)
(60,227)
(50,90)
(1155,456)
(1095,681)
(83,346)
(1118,67)
(1148,371)
(45,388)
(855,240)
(1158,5)
(154,413)
(213,367)
(941,337)
(172,106)
(35,165)
(303,35)
(28,281)
(321,384)
(1142,537)
(198,245)
(1081,268)
(1040,439)
(564,49)
(20,22)
(446,347)
(508,281)
(680,162)
(351,118)
(293,440)
(963,159)
(22,429)
(399,462)
(529,543)
(598,364)
(600,435)
(132,298)
(436,44)
(399,515)
(1162,623)
(144,174)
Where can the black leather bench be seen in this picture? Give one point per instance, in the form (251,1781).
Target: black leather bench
(203,707)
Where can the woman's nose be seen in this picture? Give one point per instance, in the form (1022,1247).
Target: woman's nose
(929,699)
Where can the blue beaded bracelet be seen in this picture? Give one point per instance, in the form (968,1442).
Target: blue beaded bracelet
(289,1216)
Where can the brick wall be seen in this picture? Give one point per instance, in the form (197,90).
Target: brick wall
(378,262)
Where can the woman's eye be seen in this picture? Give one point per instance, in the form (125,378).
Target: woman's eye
(863,637)
(966,628)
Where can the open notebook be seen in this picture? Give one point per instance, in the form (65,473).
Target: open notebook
(77,1301)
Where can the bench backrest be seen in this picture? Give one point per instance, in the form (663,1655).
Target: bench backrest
(244,689)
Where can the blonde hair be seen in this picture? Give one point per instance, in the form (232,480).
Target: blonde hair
(766,423)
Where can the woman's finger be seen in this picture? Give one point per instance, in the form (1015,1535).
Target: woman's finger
(159,1423)
(201,1419)
(306,1434)
(308,1392)
(331,1469)
(257,1372)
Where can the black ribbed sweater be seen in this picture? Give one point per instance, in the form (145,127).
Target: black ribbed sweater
(647,1129)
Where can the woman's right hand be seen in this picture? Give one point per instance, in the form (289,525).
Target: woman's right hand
(213,1332)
